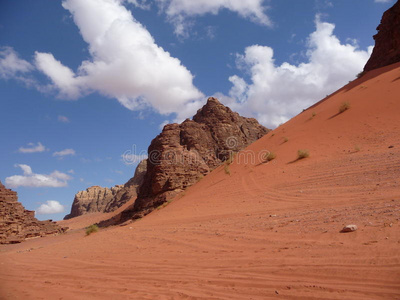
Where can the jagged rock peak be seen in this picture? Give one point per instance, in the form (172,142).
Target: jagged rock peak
(184,152)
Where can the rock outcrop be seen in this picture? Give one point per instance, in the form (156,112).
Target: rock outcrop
(387,40)
(130,189)
(185,152)
(102,199)
(17,223)
(94,199)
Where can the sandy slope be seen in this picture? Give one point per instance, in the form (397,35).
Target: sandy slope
(269,230)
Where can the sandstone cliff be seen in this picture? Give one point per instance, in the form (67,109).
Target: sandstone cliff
(129,189)
(387,40)
(94,199)
(100,199)
(185,152)
(17,223)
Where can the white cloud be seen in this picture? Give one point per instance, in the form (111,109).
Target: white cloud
(26,169)
(140,4)
(277,93)
(64,152)
(383,1)
(63,119)
(36,180)
(32,148)
(11,65)
(62,77)
(125,63)
(51,207)
(178,11)
(30,179)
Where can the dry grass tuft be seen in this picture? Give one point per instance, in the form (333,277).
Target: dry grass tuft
(92,229)
(302,154)
(345,106)
(269,156)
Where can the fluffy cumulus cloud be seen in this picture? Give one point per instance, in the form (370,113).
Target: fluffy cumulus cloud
(276,93)
(11,66)
(178,11)
(64,152)
(31,179)
(50,207)
(125,63)
(32,148)
(63,78)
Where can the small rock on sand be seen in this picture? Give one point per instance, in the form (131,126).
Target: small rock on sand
(349,228)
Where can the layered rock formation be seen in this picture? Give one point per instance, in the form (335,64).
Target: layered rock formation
(101,199)
(387,40)
(94,199)
(17,223)
(185,152)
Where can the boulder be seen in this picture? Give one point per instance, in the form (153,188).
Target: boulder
(349,228)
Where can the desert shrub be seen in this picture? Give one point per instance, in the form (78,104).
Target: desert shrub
(313,115)
(227,169)
(230,158)
(91,229)
(344,106)
(285,139)
(302,154)
(357,148)
(361,74)
(269,156)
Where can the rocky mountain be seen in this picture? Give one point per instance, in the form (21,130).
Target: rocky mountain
(183,153)
(102,199)
(17,223)
(387,40)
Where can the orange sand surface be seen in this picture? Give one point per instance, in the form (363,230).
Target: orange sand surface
(267,230)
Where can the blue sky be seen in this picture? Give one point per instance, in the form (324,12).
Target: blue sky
(83,82)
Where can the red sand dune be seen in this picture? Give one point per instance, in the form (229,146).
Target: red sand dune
(268,230)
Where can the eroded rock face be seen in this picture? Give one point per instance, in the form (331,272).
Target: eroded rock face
(387,40)
(94,199)
(17,223)
(185,152)
(130,189)
(101,199)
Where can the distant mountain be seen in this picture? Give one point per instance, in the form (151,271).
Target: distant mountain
(101,199)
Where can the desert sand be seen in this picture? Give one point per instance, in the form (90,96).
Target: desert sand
(267,230)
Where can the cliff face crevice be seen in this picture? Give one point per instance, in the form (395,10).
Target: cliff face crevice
(387,40)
